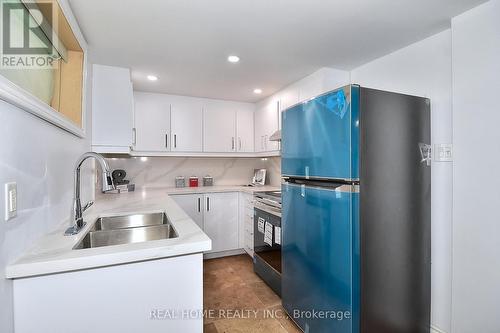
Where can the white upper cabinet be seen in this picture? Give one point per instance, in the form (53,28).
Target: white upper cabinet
(183,125)
(112,109)
(245,130)
(152,122)
(186,124)
(266,123)
(228,127)
(288,97)
(219,127)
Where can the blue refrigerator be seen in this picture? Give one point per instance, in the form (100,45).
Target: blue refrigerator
(356,212)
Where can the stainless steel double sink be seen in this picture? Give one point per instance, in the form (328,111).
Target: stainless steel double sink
(126,229)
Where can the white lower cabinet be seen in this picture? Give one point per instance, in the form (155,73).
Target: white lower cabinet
(246,223)
(221,220)
(216,214)
(193,205)
(118,298)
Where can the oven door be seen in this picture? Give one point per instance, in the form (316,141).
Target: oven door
(267,246)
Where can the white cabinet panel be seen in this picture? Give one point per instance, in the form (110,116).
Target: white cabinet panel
(219,128)
(246,223)
(112,107)
(193,206)
(259,130)
(152,122)
(245,131)
(221,220)
(187,125)
(289,97)
(129,291)
(272,122)
(266,123)
(216,214)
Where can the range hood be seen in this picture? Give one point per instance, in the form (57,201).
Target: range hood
(276,136)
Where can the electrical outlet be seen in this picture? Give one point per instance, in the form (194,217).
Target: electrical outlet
(443,152)
(10,200)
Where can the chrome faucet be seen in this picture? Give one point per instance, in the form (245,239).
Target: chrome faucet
(107,185)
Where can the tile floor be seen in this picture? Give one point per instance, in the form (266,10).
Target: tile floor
(238,301)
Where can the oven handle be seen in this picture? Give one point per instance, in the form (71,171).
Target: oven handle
(266,209)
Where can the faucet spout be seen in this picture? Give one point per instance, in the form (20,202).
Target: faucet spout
(107,185)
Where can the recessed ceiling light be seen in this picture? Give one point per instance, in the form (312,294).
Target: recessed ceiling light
(257,91)
(152,78)
(233,58)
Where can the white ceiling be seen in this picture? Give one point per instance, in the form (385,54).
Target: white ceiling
(186,42)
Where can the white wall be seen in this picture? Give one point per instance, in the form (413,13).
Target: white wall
(40,157)
(424,69)
(476,184)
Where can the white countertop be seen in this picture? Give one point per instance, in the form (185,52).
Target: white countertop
(54,252)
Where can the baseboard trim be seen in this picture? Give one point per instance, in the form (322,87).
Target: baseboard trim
(435,329)
(223,254)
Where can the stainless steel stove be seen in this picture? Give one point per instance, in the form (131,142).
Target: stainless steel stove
(267,238)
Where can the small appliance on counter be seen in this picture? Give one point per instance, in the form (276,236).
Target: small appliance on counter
(208,181)
(193,181)
(259,178)
(121,184)
(267,238)
(180,181)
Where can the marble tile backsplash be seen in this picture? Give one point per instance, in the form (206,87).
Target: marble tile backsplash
(161,171)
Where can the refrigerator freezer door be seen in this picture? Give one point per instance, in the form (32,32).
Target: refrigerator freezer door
(320,137)
(318,253)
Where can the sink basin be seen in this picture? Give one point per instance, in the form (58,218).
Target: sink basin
(127,229)
(129,221)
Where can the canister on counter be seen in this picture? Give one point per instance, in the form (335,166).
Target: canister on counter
(180,181)
(208,181)
(193,181)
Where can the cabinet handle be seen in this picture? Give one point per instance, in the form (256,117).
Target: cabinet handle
(232,143)
(175,140)
(166,140)
(199,205)
(208,204)
(265,142)
(262,142)
(134,136)
(239,144)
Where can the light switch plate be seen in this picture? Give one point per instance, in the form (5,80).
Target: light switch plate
(443,152)
(10,200)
